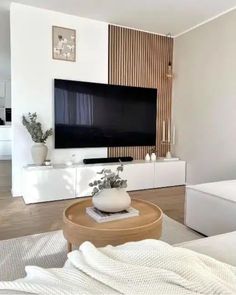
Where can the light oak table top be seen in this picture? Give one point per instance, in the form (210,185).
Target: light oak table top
(79,227)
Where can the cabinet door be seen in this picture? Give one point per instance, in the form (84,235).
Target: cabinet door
(169,173)
(5,149)
(139,176)
(5,142)
(48,185)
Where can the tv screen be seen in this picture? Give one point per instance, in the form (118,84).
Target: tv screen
(100,115)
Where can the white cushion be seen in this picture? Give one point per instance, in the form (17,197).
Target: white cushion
(221,247)
(221,189)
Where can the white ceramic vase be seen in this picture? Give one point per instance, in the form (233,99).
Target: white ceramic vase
(112,200)
(153,157)
(147,157)
(39,153)
(168,155)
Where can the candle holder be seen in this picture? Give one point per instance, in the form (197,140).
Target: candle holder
(170,142)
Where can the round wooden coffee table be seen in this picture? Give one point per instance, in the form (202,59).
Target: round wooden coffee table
(79,227)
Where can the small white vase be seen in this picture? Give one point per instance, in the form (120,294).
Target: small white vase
(39,153)
(168,155)
(112,200)
(153,157)
(147,157)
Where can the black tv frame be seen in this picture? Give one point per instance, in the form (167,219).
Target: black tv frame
(108,145)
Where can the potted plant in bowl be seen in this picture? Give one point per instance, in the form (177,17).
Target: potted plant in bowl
(39,150)
(109,194)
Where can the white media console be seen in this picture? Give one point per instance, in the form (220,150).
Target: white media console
(59,182)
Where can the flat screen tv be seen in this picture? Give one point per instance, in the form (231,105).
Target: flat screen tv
(100,115)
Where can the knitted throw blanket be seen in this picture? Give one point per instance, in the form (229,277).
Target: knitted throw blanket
(145,267)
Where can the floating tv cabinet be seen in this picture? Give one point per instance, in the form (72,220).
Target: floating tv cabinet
(60,182)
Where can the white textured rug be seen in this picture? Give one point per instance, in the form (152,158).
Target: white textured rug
(50,249)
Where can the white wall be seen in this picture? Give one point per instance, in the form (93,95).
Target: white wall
(5,68)
(204,100)
(33,71)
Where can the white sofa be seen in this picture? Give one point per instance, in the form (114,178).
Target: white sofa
(220,247)
(210,208)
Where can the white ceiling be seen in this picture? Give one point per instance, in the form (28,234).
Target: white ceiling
(159,16)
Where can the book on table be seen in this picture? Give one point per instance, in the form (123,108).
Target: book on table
(101,216)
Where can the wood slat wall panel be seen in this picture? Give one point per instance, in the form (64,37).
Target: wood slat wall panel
(141,59)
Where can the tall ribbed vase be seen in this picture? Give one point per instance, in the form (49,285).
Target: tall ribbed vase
(39,153)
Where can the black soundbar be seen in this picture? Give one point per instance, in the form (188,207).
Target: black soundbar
(107,160)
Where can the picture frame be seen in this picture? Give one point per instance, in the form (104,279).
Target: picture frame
(63,44)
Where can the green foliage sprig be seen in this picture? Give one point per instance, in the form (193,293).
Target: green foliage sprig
(35,128)
(153,150)
(109,179)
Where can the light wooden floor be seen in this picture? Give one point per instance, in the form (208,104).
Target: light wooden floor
(18,219)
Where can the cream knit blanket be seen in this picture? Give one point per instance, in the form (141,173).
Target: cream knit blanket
(145,267)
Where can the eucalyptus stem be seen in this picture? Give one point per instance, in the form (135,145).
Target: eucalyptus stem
(35,128)
(108,179)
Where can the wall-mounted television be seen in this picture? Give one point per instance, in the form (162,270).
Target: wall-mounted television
(101,115)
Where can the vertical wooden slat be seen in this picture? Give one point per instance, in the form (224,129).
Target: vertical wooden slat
(141,59)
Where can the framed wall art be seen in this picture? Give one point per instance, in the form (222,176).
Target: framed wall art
(63,44)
